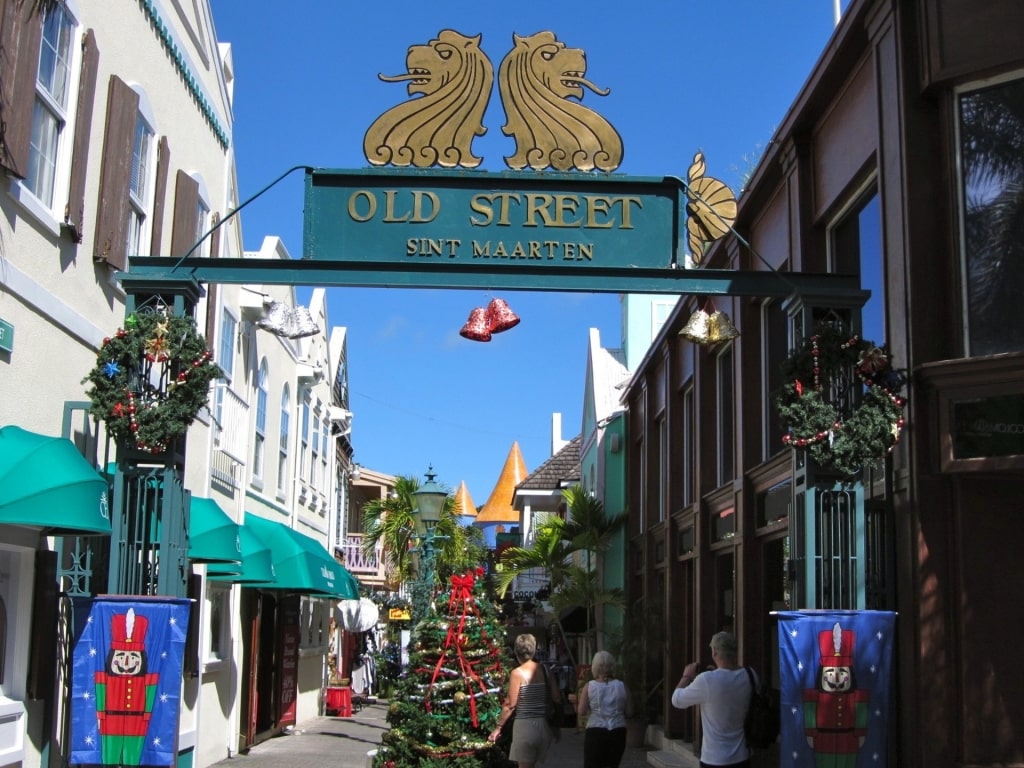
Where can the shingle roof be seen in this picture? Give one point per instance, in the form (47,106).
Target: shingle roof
(560,470)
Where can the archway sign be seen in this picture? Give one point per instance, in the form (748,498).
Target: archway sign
(558,220)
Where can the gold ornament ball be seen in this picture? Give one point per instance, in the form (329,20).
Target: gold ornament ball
(459,697)
(393,708)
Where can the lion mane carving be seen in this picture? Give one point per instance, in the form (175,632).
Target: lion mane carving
(536,79)
(454,78)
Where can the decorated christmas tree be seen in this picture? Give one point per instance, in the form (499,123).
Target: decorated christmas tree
(450,698)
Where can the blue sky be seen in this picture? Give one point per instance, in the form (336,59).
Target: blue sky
(684,76)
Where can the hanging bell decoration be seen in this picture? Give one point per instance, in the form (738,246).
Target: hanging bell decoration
(500,316)
(477,327)
(302,324)
(720,328)
(276,318)
(696,328)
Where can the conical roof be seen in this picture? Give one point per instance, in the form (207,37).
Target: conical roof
(498,508)
(464,501)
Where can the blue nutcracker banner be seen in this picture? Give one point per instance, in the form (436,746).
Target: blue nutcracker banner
(836,689)
(126,681)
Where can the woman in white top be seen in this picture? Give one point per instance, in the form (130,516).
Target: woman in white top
(723,694)
(608,703)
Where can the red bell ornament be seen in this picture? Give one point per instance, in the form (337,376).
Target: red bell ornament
(500,316)
(477,327)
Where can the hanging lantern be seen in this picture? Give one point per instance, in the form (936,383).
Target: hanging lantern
(720,328)
(500,316)
(302,324)
(477,327)
(276,318)
(696,328)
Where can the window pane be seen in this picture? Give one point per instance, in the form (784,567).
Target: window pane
(54,56)
(992,151)
(42,159)
(140,159)
(226,358)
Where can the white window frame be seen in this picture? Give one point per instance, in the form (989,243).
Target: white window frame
(218,635)
(304,434)
(260,422)
(51,213)
(285,439)
(139,231)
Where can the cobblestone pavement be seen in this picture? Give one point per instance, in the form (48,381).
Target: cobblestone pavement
(343,742)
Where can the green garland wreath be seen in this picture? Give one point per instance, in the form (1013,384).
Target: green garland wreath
(151,379)
(845,442)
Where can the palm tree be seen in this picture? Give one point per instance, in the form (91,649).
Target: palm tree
(391,522)
(556,547)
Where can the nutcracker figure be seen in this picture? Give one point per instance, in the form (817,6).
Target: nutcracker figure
(836,713)
(125,691)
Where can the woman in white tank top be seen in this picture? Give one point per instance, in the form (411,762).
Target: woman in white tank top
(607,702)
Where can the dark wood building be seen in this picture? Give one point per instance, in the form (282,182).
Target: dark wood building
(902,161)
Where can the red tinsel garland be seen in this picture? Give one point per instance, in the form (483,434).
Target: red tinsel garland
(461,600)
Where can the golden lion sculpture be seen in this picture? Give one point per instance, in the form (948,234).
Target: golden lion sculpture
(455,78)
(536,79)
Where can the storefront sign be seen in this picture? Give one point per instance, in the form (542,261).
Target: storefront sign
(489,219)
(289,673)
(399,614)
(6,336)
(989,426)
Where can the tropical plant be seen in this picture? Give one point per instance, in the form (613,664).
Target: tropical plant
(566,551)
(391,522)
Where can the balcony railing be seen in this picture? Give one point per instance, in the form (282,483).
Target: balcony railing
(371,567)
(231,422)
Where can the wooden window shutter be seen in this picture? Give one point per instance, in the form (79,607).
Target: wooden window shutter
(211,289)
(74,211)
(20,36)
(111,244)
(163,163)
(186,200)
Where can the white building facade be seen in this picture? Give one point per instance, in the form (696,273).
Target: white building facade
(117,126)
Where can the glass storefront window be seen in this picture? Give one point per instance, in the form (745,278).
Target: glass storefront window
(991,124)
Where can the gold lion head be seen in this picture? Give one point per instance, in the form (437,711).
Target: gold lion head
(449,80)
(537,79)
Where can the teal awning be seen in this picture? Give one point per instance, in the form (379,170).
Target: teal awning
(301,564)
(213,537)
(46,483)
(257,566)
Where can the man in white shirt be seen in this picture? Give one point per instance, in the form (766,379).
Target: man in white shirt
(723,694)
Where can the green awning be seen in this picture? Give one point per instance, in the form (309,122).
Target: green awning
(212,535)
(46,483)
(301,564)
(257,566)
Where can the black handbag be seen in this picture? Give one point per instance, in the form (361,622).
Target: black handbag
(553,713)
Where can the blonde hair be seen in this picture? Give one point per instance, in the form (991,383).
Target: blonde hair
(603,665)
(525,647)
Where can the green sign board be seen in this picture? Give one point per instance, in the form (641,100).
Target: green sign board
(482,220)
(6,336)
(513,230)
(991,426)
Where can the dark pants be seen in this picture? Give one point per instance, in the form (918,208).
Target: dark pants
(603,748)
(740,764)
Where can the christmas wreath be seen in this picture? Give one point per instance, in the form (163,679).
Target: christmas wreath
(150,379)
(841,401)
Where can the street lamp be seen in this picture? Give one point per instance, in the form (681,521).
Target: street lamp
(430,499)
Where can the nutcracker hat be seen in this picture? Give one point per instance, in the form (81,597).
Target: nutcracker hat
(129,631)
(836,646)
